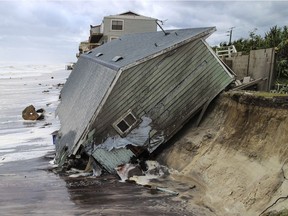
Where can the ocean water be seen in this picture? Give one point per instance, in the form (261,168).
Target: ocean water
(21,86)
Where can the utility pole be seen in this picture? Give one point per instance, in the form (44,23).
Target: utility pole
(230,34)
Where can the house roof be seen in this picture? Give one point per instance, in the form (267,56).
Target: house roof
(129,15)
(134,48)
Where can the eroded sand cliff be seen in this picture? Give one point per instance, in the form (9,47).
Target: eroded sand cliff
(237,158)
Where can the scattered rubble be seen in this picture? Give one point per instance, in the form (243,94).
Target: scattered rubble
(59,85)
(70,66)
(30,113)
(47,124)
(41,110)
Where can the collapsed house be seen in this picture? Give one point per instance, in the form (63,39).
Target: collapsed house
(134,93)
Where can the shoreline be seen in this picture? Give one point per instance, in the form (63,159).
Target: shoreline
(27,187)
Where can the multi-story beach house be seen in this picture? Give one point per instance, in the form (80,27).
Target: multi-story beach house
(114,26)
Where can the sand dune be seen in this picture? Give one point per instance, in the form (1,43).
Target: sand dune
(239,154)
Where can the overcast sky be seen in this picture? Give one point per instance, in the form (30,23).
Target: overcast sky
(46,31)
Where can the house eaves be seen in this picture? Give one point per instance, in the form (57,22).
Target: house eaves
(130,15)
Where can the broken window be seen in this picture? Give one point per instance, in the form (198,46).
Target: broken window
(125,124)
(117,25)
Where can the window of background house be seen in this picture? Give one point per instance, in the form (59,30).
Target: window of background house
(125,124)
(117,25)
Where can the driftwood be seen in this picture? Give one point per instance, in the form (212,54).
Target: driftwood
(154,190)
(167,191)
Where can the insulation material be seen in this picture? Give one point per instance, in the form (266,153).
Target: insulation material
(136,137)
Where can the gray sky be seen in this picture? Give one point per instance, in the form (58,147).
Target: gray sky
(49,31)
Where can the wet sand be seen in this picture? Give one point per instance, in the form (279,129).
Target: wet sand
(26,185)
(28,188)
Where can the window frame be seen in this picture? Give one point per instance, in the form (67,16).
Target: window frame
(118,20)
(130,126)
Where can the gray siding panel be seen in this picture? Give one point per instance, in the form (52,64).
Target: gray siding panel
(80,99)
(150,83)
(111,159)
(167,87)
(160,69)
(189,99)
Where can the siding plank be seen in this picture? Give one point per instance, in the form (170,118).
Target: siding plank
(179,81)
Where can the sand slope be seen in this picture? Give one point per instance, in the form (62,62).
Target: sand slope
(238,157)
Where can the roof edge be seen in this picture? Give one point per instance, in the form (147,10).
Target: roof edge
(126,14)
(217,58)
(101,62)
(204,34)
(81,140)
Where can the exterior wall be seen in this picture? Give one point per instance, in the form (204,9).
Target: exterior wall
(130,26)
(261,65)
(240,64)
(168,89)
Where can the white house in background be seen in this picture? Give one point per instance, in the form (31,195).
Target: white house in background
(114,26)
